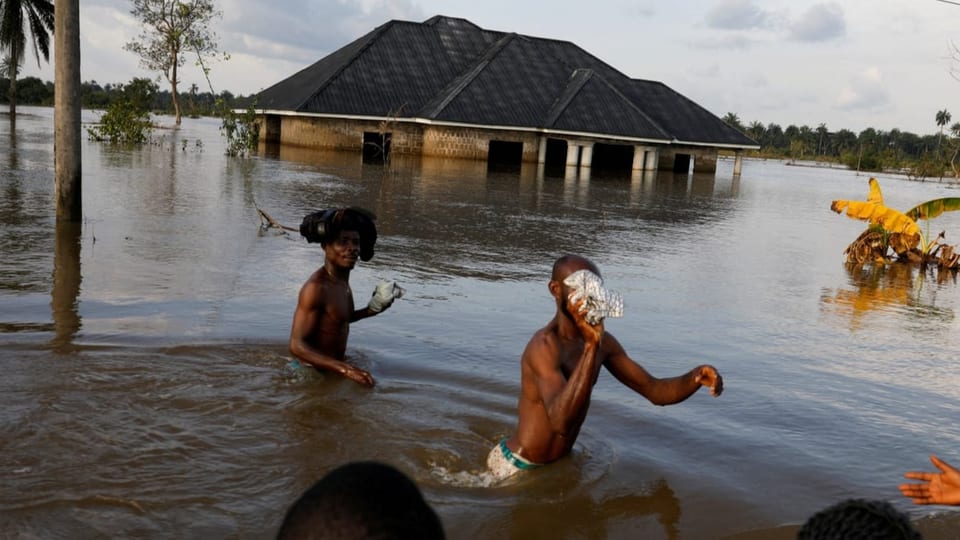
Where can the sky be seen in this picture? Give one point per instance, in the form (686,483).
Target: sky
(848,64)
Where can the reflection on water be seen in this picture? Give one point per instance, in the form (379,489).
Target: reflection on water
(651,509)
(896,286)
(174,408)
(66,284)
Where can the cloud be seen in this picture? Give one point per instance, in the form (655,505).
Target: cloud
(711,71)
(304,30)
(639,9)
(737,15)
(728,42)
(821,22)
(865,91)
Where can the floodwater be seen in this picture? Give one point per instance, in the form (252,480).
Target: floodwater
(145,392)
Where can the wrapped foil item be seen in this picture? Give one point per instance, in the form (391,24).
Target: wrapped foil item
(599,303)
(384,294)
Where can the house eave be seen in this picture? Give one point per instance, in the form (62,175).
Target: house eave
(728,146)
(491,127)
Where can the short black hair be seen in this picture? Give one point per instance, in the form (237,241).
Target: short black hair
(325,225)
(859,519)
(362,500)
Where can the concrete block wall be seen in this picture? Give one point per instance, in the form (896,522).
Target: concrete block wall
(330,134)
(406,139)
(412,139)
(341,134)
(470,143)
(704,159)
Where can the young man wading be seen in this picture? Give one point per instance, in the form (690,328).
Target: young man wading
(321,322)
(560,366)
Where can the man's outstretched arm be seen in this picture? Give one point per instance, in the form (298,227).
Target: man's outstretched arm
(659,391)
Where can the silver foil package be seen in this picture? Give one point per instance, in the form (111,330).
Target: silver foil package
(599,302)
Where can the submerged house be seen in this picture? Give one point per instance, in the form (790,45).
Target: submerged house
(448,88)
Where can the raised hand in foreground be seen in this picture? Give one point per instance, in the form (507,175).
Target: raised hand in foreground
(934,488)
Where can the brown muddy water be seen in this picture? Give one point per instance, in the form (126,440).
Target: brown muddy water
(145,393)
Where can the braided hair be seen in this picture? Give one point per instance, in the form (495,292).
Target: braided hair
(859,519)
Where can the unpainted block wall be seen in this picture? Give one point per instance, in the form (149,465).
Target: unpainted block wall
(340,134)
(469,143)
(705,159)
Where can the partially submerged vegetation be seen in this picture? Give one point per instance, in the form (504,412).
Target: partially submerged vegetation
(895,236)
(127,120)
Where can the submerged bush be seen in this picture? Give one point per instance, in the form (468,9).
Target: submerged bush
(127,120)
(241,130)
(123,123)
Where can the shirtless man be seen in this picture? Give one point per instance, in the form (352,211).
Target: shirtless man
(558,370)
(321,322)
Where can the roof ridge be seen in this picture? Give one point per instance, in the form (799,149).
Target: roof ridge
(577,80)
(371,39)
(432,21)
(459,84)
(635,107)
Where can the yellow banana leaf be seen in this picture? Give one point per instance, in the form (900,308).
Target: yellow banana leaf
(875,195)
(933,208)
(873,211)
(877,214)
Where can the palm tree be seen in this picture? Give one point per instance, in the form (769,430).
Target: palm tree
(943,118)
(15,15)
(955,131)
(732,120)
(821,132)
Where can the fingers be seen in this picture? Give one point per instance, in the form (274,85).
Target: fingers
(717,387)
(360,377)
(917,475)
(940,464)
(918,493)
(365,379)
(914,490)
(709,377)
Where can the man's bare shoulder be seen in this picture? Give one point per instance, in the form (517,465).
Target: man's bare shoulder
(313,289)
(542,345)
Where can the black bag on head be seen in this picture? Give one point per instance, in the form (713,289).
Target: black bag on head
(325,225)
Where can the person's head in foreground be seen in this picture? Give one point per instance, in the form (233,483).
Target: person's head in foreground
(345,234)
(859,519)
(362,501)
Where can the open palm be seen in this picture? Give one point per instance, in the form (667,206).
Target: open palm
(934,488)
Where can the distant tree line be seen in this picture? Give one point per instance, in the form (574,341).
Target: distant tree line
(870,150)
(33,91)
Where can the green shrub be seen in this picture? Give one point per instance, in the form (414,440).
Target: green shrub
(123,123)
(241,130)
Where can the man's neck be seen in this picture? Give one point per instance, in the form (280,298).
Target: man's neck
(336,274)
(566,328)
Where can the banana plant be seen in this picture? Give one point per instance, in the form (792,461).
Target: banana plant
(894,228)
(933,208)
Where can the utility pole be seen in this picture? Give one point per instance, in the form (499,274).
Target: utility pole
(66,111)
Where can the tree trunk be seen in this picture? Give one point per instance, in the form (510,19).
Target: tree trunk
(12,98)
(12,91)
(66,111)
(173,92)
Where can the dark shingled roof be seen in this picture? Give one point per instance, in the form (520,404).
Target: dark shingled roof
(449,70)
